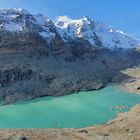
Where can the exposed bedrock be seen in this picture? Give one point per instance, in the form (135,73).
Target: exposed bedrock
(24,77)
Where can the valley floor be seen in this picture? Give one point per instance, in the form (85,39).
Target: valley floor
(134,85)
(124,127)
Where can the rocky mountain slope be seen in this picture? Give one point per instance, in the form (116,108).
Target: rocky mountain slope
(39,57)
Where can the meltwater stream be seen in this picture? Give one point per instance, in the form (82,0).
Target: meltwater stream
(75,110)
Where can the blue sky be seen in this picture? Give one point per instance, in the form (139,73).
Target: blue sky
(121,14)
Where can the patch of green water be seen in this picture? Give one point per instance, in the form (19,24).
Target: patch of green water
(75,110)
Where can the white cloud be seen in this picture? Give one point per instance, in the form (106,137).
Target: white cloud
(63,18)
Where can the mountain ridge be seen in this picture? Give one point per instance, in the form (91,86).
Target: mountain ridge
(96,33)
(39,58)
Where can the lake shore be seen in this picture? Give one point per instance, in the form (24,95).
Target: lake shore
(132,86)
(125,126)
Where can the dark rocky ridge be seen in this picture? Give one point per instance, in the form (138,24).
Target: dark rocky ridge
(33,66)
(25,76)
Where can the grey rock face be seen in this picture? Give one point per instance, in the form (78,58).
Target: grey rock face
(31,76)
(28,42)
(7,77)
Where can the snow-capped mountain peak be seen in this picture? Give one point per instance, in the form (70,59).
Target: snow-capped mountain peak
(71,29)
(113,38)
(98,34)
(90,30)
(13,11)
(18,20)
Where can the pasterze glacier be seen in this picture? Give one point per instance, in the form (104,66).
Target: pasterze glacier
(40,57)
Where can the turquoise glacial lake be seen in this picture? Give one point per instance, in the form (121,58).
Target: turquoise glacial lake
(75,110)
